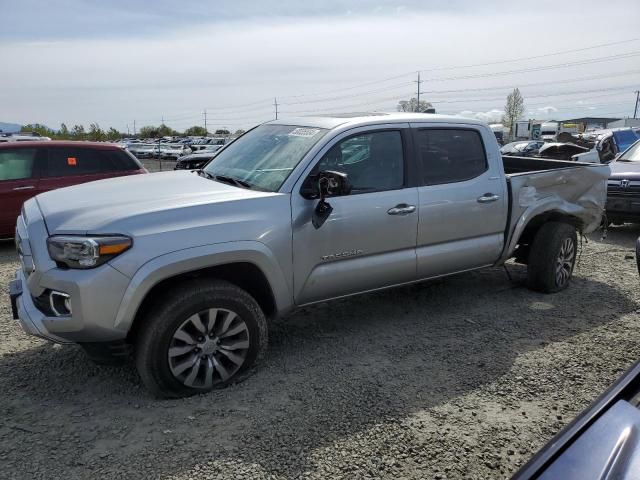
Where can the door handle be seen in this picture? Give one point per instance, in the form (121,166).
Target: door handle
(402,209)
(27,187)
(488,198)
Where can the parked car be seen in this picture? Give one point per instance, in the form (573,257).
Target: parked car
(143,150)
(522,149)
(599,444)
(174,151)
(186,267)
(623,187)
(607,145)
(194,161)
(30,168)
(22,137)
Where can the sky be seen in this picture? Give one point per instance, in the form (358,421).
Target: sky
(118,62)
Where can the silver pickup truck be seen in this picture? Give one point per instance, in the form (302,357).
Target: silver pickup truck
(185,268)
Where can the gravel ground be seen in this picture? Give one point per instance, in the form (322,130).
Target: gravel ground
(461,378)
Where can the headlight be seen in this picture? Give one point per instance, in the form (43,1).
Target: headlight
(86,252)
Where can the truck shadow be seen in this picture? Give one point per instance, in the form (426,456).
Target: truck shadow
(332,370)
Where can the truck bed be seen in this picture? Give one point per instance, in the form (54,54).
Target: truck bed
(540,186)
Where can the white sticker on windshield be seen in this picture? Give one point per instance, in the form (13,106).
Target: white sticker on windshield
(303,132)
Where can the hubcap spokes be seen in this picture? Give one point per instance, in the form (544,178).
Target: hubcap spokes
(564,261)
(208,348)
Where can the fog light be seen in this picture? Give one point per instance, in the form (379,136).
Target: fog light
(60,303)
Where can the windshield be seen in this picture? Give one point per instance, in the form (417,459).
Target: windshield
(265,156)
(631,155)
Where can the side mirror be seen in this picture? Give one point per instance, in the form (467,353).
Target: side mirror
(329,184)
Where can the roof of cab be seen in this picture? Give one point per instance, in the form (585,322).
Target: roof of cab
(61,143)
(331,121)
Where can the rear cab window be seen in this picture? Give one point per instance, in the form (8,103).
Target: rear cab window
(17,163)
(449,155)
(69,161)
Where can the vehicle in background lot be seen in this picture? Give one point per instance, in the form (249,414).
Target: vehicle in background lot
(194,161)
(30,168)
(560,151)
(527,148)
(607,144)
(142,150)
(186,267)
(623,187)
(22,137)
(174,151)
(599,444)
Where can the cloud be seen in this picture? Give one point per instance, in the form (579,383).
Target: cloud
(492,116)
(547,110)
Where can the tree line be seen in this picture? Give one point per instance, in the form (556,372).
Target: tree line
(96,134)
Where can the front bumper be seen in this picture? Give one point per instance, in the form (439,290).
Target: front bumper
(623,208)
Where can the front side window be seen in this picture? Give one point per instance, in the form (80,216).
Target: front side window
(372,161)
(450,155)
(264,157)
(17,163)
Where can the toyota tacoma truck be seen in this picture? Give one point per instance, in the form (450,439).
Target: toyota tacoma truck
(184,269)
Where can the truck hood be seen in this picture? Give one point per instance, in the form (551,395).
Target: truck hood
(628,170)
(124,204)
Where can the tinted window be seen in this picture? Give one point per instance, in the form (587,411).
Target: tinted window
(373,161)
(450,155)
(67,161)
(17,163)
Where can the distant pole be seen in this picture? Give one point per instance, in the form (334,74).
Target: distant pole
(275,104)
(635,110)
(205,122)
(418,95)
(134,128)
(128,133)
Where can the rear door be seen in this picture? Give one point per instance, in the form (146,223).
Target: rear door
(463,200)
(70,165)
(18,183)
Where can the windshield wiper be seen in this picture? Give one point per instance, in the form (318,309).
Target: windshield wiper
(226,179)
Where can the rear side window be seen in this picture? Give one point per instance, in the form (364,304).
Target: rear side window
(450,155)
(66,161)
(17,163)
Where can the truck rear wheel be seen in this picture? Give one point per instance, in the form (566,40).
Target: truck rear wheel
(552,257)
(206,334)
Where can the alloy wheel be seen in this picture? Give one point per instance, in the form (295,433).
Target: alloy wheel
(208,348)
(564,261)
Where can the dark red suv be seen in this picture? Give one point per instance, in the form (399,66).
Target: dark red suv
(29,168)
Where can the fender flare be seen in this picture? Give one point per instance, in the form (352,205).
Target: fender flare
(191,259)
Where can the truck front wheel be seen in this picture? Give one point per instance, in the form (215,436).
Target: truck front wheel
(206,334)
(552,257)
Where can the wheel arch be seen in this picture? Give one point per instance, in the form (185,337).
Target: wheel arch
(254,270)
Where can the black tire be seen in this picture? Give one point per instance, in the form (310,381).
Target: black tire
(545,257)
(163,321)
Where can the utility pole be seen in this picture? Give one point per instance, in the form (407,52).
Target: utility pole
(418,94)
(134,128)
(128,133)
(635,110)
(275,104)
(206,132)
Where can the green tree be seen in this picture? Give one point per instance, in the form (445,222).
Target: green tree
(513,110)
(222,131)
(149,131)
(196,131)
(165,131)
(78,133)
(113,134)
(63,133)
(38,128)
(96,134)
(239,132)
(412,105)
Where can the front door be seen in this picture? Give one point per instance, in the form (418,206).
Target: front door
(368,241)
(18,183)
